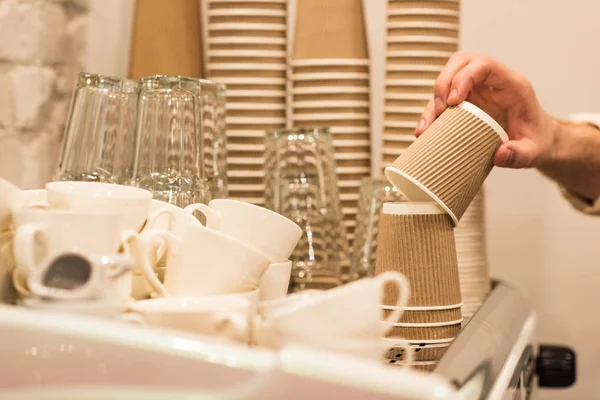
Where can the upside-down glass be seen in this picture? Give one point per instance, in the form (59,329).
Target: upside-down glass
(301,184)
(373,193)
(169,141)
(213,100)
(99,140)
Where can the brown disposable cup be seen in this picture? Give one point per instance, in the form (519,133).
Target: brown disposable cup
(431,4)
(425,333)
(330,29)
(425,367)
(417,239)
(450,161)
(429,316)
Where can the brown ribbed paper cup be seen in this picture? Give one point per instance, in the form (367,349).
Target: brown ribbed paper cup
(426,333)
(450,161)
(429,316)
(417,239)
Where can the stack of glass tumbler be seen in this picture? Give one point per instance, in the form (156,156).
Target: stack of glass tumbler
(162,133)
(301,184)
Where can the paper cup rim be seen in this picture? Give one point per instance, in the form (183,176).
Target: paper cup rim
(425,308)
(392,173)
(424,324)
(485,117)
(424,341)
(410,208)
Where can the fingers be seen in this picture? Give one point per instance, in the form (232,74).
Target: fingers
(483,70)
(442,86)
(515,154)
(475,73)
(426,118)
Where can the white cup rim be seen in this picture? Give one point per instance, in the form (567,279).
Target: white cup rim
(64,211)
(72,188)
(425,308)
(412,208)
(187,225)
(262,209)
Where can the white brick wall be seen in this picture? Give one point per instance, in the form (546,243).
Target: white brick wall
(42,47)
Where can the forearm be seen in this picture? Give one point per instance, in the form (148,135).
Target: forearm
(574,161)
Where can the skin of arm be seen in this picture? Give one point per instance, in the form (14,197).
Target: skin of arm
(568,153)
(574,159)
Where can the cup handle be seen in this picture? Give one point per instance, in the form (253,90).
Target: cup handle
(403,292)
(162,248)
(120,266)
(134,319)
(157,213)
(146,240)
(19,285)
(27,237)
(212,218)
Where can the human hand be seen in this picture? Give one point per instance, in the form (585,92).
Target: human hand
(504,94)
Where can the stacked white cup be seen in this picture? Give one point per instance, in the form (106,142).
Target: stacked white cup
(212,276)
(346,319)
(65,243)
(241,252)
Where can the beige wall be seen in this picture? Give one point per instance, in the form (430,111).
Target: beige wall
(535,239)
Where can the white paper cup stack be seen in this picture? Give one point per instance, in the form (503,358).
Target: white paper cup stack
(246,50)
(471,252)
(330,88)
(421,36)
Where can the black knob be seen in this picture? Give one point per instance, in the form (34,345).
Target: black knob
(556,366)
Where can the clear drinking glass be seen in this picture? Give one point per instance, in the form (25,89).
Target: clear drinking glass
(373,193)
(99,140)
(301,184)
(170,144)
(212,95)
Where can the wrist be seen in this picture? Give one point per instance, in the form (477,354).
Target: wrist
(557,133)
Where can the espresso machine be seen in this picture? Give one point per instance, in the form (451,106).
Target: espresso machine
(496,356)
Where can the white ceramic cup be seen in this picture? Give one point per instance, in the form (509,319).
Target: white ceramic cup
(269,232)
(275,281)
(90,308)
(87,277)
(13,199)
(348,311)
(10,200)
(162,215)
(228,316)
(373,349)
(43,232)
(202,261)
(133,203)
(270,307)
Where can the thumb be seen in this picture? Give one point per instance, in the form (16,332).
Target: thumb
(515,154)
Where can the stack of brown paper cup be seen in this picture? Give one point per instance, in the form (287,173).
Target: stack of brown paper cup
(421,36)
(471,252)
(330,81)
(247,51)
(450,161)
(417,239)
